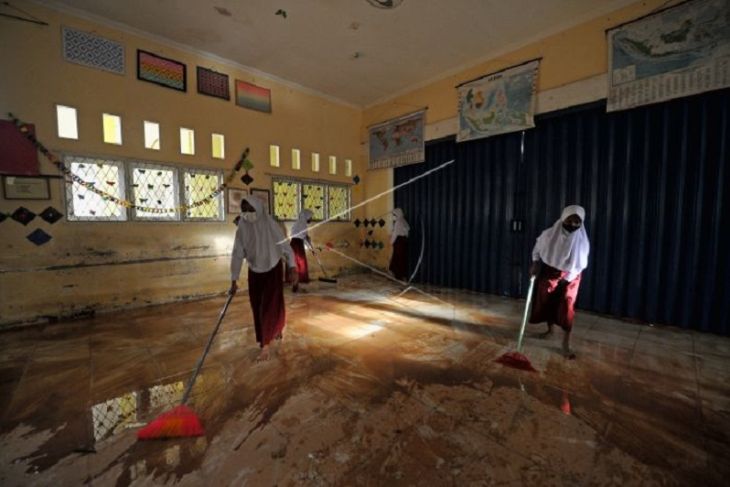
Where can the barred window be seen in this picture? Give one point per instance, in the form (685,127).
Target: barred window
(156,188)
(313,199)
(83,204)
(286,199)
(338,202)
(324,200)
(199,184)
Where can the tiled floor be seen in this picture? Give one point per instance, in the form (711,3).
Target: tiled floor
(367,388)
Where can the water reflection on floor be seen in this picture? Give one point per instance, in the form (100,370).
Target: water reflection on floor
(367,388)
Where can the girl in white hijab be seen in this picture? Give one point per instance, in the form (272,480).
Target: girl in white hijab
(300,236)
(559,257)
(399,239)
(261,242)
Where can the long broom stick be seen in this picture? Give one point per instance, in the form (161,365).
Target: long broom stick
(516,359)
(182,421)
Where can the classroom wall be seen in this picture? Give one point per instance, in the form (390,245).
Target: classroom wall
(572,71)
(95,266)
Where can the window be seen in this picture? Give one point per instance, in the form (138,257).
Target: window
(155,187)
(112,128)
(348,167)
(338,202)
(218,143)
(187,141)
(296,161)
(66,122)
(324,200)
(313,199)
(274,155)
(199,184)
(315,162)
(106,175)
(151,135)
(333,165)
(286,199)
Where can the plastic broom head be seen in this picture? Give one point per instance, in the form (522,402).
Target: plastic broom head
(179,422)
(516,360)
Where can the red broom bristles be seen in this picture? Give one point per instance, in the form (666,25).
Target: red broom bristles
(179,422)
(517,361)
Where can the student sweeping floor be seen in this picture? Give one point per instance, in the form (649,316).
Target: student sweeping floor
(261,242)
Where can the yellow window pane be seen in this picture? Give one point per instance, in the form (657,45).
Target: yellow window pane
(187,141)
(296,161)
(274,155)
(348,167)
(66,122)
(151,135)
(218,142)
(315,162)
(112,129)
(333,165)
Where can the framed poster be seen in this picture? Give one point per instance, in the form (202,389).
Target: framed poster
(213,83)
(676,52)
(235,196)
(263,195)
(26,188)
(254,97)
(161,71)
(397,142)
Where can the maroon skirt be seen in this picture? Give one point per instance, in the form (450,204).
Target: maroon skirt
(266,292)
(300,258)
(399,259)
(554,299)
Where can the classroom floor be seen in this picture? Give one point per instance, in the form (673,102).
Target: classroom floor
(367,388)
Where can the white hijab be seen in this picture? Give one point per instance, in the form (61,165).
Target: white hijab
(262,243)
(400,227)
(299,229)
(563,250)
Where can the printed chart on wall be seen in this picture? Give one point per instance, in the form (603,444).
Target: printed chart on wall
(680,51)
(498,103)
(397,142)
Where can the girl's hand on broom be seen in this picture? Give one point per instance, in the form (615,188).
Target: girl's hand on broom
(233,289)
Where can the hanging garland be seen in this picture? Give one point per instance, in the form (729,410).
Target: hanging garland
(71,177)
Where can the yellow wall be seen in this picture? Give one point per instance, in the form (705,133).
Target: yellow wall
(100,265)
(572,55)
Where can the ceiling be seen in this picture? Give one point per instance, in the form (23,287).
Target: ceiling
(347,49)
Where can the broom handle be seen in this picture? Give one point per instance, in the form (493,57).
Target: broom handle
(191,382)
(320,264)
(527,311)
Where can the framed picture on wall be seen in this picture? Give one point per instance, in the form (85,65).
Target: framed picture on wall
(26,188)
(161,71)
(248,95)
(263,195)
(235,196)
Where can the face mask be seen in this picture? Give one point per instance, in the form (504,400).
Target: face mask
(570,228)
(250,216)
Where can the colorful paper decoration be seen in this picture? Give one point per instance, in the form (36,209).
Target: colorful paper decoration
(161,71)
(38,237)
(92,50)
(370,232)
(23,215)
(381,222)
(367,244)
(51,215)
(356,179)
(357,223)
(3,217)
(373,222)
(213,83)
(254,97)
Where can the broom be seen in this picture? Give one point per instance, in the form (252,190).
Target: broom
(516,359)
(182,421)
(325,278)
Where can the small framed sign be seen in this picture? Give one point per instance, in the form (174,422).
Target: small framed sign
(26,188)
(235,196)
(263,195)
